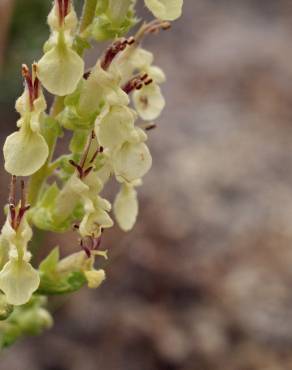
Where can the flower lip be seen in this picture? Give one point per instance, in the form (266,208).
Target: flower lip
(32,83)
(114,49)
(17,211)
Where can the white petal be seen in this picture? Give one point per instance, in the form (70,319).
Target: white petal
(116,127)
(60,70)
(25,152)
(131,162)
(126,207)
(149,102)
(18,280)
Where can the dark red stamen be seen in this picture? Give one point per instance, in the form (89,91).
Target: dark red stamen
(32,83)
(136,83)
(82,171)
(90,244)
(17,212)
(60,10)
(150,127)
(66,7)
(114,50)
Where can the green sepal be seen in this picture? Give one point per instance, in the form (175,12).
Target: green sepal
(42,215)
(49,264)
(80,44)
(52,284)
(78,141)
(51,128)
(72,120)
(103,29)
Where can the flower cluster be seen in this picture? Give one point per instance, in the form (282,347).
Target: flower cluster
(107,110)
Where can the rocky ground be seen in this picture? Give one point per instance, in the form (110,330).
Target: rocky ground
(204,281)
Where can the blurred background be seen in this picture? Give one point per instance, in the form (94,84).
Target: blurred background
(204,281)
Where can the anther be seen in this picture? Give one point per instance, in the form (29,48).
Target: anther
(150,127)
(86,75)
(148,82)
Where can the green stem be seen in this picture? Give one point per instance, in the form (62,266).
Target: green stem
(88,14)
(37,180)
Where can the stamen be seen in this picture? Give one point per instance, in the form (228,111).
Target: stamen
(86,75)
(136,83)
(98,150)
(61,13)
(36,83)
(87,148)
(83,172)
(148,82)
(150,127)
(32,83)
(29,83)
(152,27)
(90,243)
(114,50)
(12,192)
(17,212)
(66,7)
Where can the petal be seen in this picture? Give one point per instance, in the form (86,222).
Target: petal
(126,207)
(156,74)
(60,70)
(25,152)
(93,222)
(116,127)
(94,278)
(149,102)
(132,162)
(18,280)
(167,10)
